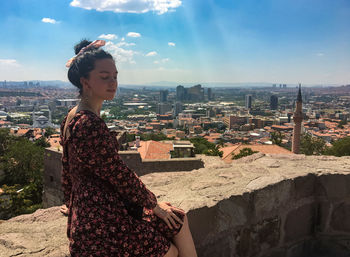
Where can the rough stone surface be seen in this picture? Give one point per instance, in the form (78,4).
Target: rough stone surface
(261,206)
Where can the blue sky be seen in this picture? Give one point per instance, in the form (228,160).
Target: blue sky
(193,41)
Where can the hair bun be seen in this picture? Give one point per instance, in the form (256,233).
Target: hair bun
(80,45)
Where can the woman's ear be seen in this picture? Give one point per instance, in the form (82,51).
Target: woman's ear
(83,81)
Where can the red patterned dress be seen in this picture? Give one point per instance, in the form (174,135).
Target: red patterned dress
(96,183)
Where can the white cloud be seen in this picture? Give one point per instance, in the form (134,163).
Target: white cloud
(133,34)
(108,36)
(165,60)
(171,44)
(120,54)
(320,54)
(153,53)
(9,63)
(156,62)
(49,20)
(122,43)
(129,6)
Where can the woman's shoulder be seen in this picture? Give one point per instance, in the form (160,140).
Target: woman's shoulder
(85,120)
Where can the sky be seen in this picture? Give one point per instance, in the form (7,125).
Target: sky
(183,41)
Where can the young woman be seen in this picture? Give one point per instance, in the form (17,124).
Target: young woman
(110,211)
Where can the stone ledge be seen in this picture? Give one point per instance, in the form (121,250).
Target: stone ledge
(261,206)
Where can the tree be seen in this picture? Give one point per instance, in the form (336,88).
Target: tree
(276,138)
(42,142)
(49,131)
(23,162)
(342,123)
(340,147)
(310,145)
(246,151)
(5,140)
(203,146)
(214,152)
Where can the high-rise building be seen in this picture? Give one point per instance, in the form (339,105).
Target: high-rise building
(248,101)
(273,102)
(298,118)
(163,108)
(163,96)
(180,93)
(210,94)
(196,93)
(178,108)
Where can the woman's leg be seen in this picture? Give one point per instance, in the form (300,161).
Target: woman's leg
(184,241)
(173,252)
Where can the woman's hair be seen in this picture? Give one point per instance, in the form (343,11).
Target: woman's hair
(84,63)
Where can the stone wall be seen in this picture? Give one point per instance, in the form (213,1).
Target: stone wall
(53,195)
(258,206)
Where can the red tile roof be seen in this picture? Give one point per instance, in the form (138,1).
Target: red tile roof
(267,149)
(155,150)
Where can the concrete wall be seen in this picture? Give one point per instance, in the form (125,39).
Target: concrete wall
(306,216)
(260,206)
(53,195)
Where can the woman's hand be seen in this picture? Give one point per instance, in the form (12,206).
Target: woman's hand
(64,209)
(164,210)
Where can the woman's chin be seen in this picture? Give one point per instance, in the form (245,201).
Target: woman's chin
(111,97)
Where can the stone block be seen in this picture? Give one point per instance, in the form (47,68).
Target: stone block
(322,216)
(334,186)
(203,224)
(300,223)
(270,200)
(304,186)
(232,212)
(259,237)
(340,217)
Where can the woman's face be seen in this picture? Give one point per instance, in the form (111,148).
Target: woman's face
(102,82)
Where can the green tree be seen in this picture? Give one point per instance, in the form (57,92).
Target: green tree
(246,151)
(49,131)
(23,162)
(5,140)
(340,147)
(310,145)
(20,200)
(214,151)
(342,123)
(203,146)
(276,138)
(42,142)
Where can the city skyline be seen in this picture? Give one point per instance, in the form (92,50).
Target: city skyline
(183,41)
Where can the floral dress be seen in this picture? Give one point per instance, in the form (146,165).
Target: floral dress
(96,184)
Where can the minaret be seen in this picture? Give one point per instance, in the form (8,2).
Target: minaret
(298,118)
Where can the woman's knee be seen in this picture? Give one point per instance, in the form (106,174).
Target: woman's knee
(173,251)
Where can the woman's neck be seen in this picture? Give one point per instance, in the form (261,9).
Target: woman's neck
(91,105)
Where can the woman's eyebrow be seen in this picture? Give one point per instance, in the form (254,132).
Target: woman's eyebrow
(104,71)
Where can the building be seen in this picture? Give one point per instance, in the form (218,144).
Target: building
(178,108)
(273,102)
(297,118)
(233,121)
(67,102)
(180,93)
(163,108)
(248,101)
(210,94)
(195,93)
(42,121)
(163,96)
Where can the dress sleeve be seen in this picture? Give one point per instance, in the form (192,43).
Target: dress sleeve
(65,178)
(97,152)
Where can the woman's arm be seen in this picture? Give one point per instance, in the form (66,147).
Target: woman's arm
(96,152)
